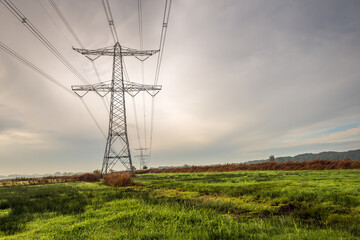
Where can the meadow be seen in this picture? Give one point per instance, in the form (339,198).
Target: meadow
(222,205)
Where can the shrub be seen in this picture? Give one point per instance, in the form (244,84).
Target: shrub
(87,177)
(118,179)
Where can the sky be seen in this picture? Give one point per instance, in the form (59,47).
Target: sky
(241,80)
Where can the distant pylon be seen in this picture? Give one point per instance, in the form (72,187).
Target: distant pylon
(142,157)
(117,144)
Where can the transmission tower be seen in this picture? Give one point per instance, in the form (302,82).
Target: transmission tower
(117,144)
(142,157)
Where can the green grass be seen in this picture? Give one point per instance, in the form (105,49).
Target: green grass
(235,205)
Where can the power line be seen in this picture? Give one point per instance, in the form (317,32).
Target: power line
(93,117)
(112,27)
(52,20)
(27,63)
(62,33)
(21,17)
(109,17)
(142,66)
(151,124)
(158,65)
(136,121)
(34,67)
(71,30)
(162,38)
(66,23)
(60,30)
(140,24)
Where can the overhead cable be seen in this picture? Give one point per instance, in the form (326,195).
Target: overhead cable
(136,121)
(151,124)
(158,65)
(162,38)
(33,67)
(71,30)
(93,117)
(27,63)
(66,23)
(109,17)
(142,66)
(52,20)
(21,17)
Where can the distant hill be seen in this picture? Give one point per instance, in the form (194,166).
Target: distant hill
(353,155)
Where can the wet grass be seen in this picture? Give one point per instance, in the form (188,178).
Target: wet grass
(236,205)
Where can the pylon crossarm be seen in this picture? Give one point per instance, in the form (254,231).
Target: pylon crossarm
(137,53)
(104,88)
(134,88)
(100,88)
(109,51)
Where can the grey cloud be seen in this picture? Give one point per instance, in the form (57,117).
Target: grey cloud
(6,124)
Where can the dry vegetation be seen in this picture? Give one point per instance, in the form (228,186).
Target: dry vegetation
(117,179)
(324,164)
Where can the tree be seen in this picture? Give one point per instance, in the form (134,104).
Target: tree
(272,158)
(97,171)
(145,167)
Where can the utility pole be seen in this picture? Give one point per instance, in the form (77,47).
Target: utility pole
(117,144)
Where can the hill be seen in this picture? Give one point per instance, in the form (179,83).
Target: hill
(331,155)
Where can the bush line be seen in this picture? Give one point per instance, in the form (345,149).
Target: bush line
(319,164)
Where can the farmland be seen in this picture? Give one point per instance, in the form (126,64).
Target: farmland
(222,205)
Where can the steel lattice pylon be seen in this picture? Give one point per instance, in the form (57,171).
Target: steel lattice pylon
(142,157)
(117,144)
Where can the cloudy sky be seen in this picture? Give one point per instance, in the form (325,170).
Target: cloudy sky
(242,80)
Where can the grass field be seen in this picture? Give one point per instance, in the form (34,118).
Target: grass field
(235,205)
